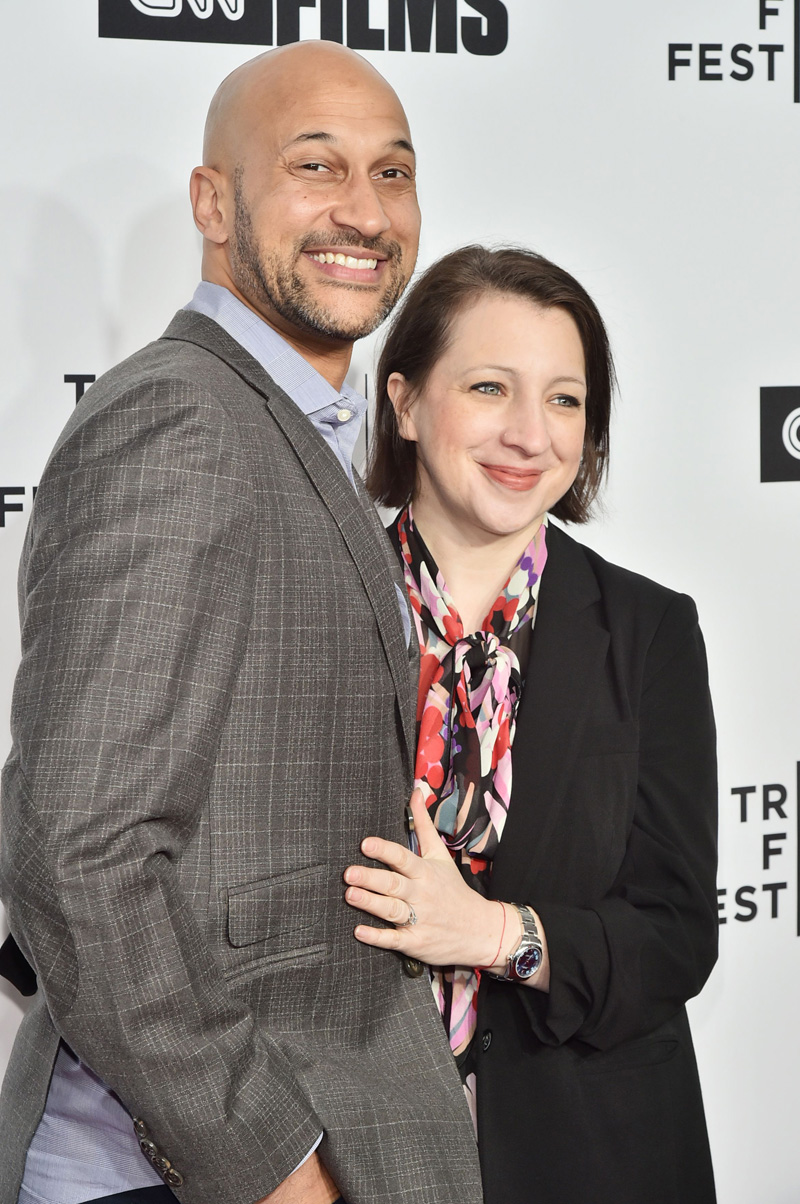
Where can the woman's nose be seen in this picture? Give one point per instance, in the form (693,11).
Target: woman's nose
(527,429)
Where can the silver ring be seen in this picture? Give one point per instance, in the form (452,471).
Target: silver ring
(412,918)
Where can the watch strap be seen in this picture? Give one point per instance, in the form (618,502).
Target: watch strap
(529,940)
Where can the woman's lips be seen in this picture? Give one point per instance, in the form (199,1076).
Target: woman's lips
(520,479)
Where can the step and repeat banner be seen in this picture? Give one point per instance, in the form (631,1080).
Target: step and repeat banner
(654,151)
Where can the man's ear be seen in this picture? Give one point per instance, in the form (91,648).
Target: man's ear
(207,191)
(400,395)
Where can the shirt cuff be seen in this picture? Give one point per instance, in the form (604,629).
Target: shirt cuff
(313,1150)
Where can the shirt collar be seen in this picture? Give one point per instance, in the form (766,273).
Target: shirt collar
(306,387)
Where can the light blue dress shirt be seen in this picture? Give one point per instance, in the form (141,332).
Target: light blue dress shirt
(84,1146)
(337,416)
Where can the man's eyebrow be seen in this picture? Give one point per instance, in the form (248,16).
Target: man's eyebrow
(319,136)
(324,136)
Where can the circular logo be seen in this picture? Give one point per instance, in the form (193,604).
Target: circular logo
(791,433)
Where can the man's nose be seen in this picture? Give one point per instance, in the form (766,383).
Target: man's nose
(359,207)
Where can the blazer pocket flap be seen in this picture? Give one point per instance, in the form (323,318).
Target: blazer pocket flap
(633,1055)
(277,911)
(602,739)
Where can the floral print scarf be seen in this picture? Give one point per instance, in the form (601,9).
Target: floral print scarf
(469,692)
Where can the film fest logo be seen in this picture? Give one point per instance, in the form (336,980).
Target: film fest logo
(441,26)
(774,872)
(15,498)
(780,434)
(771,53)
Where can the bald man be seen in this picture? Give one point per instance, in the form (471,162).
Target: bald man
(215,705)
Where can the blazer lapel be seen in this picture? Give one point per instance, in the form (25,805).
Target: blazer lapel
(358,522)
(568,650)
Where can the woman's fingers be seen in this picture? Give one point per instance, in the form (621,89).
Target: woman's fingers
(383,907)
(392,854)
(430,842)
(431,845)
(432,880)
(382,938)
(381,882)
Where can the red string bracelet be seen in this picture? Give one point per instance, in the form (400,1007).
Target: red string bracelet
(500,946)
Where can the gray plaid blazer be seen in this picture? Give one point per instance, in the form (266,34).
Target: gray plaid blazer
(215,705)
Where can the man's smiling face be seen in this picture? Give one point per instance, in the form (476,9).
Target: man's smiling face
(325,217)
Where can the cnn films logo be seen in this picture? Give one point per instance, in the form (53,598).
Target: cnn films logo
(772,53)
(423,26)
(780,433)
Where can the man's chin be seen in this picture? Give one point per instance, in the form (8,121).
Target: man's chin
(345,312)
(341,327)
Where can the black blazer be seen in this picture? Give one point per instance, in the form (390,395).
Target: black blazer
(590,1095)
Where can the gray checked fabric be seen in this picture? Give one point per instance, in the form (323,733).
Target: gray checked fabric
(214,705)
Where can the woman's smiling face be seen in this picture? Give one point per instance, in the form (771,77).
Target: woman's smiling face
(499,424)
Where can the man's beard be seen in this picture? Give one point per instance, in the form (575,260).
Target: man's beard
(262,277)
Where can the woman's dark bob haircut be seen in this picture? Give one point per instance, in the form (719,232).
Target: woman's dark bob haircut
(419,336)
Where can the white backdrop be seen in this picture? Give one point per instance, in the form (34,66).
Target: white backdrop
(674,201)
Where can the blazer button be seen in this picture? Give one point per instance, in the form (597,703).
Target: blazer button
(148,1147)
(486,1040)
(161,1163)
(412,968)
(173,1178)
(139,1128)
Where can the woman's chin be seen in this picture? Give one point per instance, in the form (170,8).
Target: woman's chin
(496,528)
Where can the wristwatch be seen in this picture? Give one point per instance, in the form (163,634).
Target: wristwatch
(526,959)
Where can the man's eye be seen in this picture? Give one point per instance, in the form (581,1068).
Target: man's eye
(489,387)
(319,167)
(394,173)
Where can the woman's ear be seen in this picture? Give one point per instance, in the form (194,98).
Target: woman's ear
(401,397)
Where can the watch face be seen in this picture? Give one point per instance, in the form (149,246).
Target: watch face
(528,961)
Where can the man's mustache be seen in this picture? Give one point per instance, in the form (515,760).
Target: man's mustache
(386,248)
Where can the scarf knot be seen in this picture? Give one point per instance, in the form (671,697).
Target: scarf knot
(470,687)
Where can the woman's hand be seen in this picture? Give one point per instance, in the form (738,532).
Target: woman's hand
(455,926)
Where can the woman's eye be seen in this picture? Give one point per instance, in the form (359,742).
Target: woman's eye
(488,387)
(566,400)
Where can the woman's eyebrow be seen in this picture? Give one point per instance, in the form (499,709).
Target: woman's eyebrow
(557,380)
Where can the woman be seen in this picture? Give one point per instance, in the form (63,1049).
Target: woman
(563,891)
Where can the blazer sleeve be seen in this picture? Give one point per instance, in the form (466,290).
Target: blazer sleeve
(137,586)
(629,960)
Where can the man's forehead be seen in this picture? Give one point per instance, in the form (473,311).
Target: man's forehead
(341,98)
(306,88)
